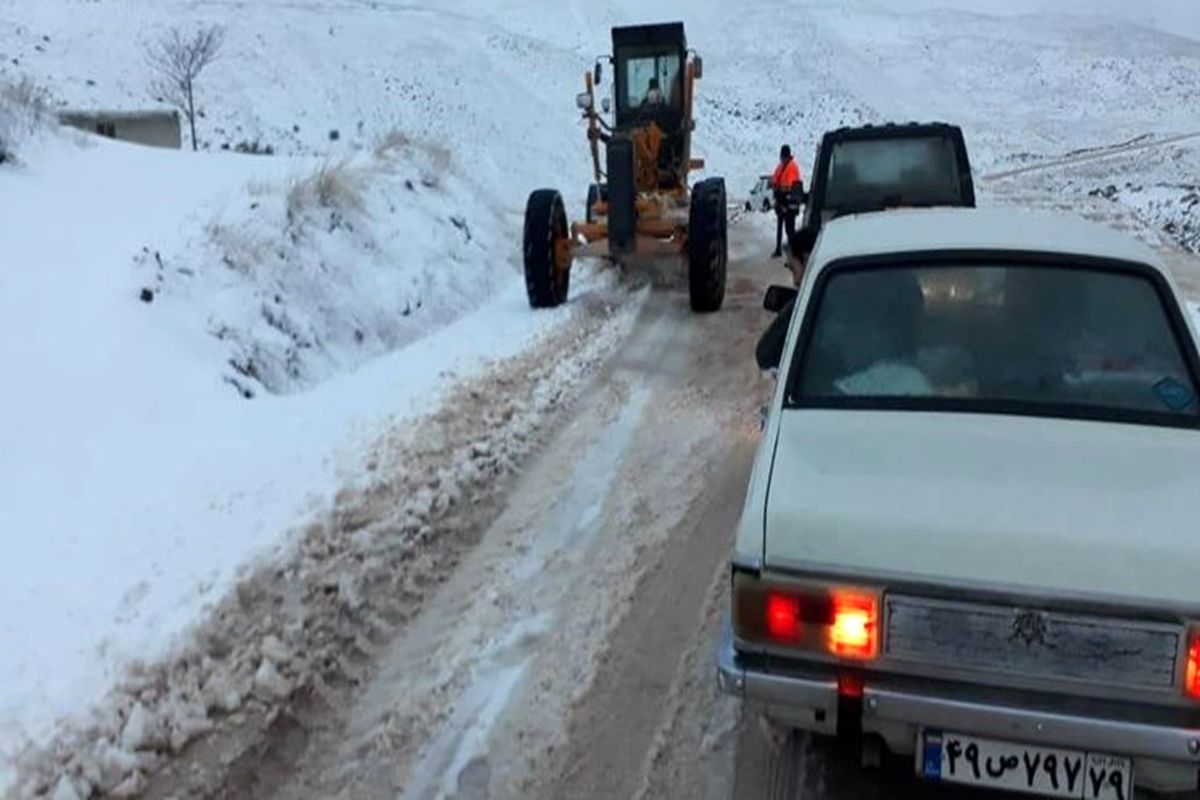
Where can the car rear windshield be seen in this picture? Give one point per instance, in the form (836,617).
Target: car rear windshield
(906,171)
(1035,337)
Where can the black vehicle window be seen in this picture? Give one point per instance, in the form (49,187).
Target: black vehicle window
(1038,335)
(892,172)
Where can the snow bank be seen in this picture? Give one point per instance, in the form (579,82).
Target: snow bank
(302,620)
(308,278)
(1173,209)
(131,518)
(145,292)
(1150,193)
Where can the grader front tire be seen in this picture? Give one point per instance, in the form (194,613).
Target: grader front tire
(547,250)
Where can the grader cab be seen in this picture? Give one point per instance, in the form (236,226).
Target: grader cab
(640,204)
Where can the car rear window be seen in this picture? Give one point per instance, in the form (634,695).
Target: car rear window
(1034,336)
(908,171)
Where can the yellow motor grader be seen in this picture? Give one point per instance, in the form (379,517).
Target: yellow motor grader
(640,203)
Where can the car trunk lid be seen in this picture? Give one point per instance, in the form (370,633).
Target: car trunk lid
(1047,507)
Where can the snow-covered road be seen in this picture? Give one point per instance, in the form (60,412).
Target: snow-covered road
(546,608)
(385,569)
(561,641)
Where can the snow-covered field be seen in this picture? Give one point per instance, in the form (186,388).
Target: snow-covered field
(344,284)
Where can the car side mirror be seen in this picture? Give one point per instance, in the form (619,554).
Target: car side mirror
(583,101)
(778,298)
(698,67)
(598,73)
(769,351)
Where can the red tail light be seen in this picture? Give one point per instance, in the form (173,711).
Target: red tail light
(834,623)
(1191,674)
(783,617)
(854,632)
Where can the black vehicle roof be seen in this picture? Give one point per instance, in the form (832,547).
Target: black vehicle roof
(817,206)
(890,130)
(666,33)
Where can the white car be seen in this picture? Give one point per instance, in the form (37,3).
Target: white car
(972,532)
(762,197)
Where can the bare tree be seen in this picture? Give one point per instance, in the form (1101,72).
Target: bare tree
(178,60)
(24,107)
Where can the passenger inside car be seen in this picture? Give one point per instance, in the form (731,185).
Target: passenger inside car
(850,358)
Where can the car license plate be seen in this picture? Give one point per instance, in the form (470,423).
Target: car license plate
(959,758)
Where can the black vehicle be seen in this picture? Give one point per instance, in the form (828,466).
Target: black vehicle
(868,169)
(880,167)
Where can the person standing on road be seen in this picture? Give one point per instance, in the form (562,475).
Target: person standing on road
(786,183)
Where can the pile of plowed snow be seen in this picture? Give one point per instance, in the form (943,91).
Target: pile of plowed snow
(305,620)
(309,277)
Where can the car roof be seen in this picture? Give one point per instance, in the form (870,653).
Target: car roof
(889,130)
(971,229)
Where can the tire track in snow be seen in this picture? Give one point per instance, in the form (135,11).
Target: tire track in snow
(480,697)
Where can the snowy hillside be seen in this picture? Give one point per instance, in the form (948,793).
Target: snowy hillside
(144,293)
(198,347)
(1167,16)
(137,481)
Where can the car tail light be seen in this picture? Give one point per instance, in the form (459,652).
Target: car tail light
(855,629)
(783,617)
(1191,672)
(837,623)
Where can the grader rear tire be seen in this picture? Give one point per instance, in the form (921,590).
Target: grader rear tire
(547,250)
(708,246)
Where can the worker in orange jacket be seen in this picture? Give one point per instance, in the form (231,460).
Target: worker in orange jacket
(788,185)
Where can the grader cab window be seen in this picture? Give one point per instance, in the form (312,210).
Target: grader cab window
(650,79)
